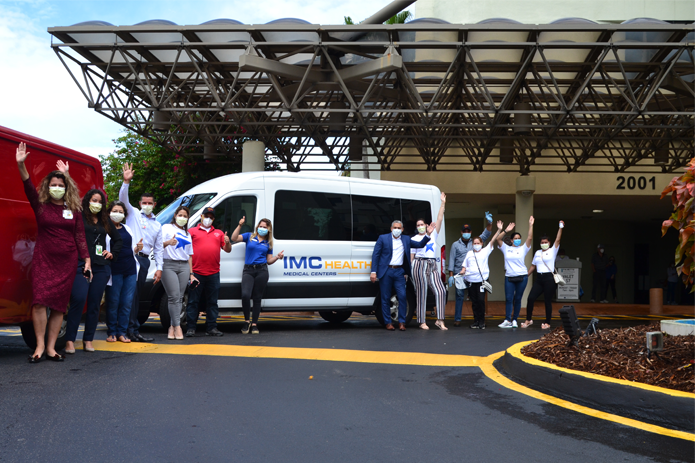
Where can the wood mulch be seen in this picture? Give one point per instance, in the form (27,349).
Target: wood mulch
(622,353)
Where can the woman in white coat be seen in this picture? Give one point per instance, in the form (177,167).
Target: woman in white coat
(124,270)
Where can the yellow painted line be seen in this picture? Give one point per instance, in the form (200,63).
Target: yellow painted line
(296,353)
(381,357)
(491,372)
(515,351)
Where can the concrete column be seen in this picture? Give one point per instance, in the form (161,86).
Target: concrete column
(253,157)
(525,187)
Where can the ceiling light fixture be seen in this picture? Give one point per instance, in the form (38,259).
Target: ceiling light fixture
(598,211)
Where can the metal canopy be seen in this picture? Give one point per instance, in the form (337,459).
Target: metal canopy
(565,97)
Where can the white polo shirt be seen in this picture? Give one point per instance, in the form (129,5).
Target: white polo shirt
(514,264)
(545,260)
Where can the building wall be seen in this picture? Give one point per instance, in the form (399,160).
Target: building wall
(546,11)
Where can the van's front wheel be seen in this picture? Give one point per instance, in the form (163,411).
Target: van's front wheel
(410,312)
(335,316)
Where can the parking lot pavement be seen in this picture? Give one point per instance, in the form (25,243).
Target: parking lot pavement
(121,406)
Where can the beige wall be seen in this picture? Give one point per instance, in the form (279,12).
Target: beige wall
(546,11)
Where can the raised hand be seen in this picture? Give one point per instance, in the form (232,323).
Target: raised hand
(22,153)
(128,172)
(431,227)
(500,225)
(63,166)
(226,238)
(488,217)
(281,254)
(139,246)
(242,221)
(510,227)
(443,197)
(531,220)
(171,242)
(562,224)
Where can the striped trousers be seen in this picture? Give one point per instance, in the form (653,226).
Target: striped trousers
(426,273)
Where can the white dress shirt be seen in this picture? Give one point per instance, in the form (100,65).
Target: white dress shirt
(397,256)
(147,228)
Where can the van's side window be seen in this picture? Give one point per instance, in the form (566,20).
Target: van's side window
(232,209)
(413,211)
(307,215)
(373,216)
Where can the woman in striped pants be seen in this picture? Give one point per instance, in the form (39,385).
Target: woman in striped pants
(426,272)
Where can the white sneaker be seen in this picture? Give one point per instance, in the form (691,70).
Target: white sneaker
(505,324)
(604,302)
(514,324)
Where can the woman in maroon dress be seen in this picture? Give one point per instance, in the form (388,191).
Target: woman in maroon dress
(60,239)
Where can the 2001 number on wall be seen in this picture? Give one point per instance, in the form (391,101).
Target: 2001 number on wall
(640,183)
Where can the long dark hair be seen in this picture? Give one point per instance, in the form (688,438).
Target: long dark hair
(118,203)
(176,212)
(102,216)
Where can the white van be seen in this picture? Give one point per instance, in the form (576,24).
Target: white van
(327,227)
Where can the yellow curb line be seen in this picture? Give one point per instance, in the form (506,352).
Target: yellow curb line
(515,351)
(381,357)
(491,372)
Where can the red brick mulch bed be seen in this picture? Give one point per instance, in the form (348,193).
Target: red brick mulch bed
(622,353)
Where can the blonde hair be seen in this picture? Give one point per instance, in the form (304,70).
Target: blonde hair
(269,236)
(72,193)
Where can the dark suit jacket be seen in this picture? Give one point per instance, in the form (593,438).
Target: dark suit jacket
(383,252)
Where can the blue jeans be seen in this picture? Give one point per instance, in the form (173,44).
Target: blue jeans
(134,324)
(394,277)
(119,297)
(513,291)
(460,296)
(83,290)
(209,286)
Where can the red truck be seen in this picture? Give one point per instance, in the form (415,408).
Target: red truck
(18,233)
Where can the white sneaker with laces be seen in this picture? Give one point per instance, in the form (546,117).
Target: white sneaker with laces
(514,324)
(505,324)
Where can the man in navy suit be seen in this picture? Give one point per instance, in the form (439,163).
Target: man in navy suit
(391,265)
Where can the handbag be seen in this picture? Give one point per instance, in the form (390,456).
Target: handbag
(486,284)
(460,282)
(559,280)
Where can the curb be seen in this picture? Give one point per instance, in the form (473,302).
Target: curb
(650,404)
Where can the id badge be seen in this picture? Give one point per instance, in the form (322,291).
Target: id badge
(482,289)
(100,250)
(67,214)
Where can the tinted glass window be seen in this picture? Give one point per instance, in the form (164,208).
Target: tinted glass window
(306,215)
(412,212)
(373,216)
(193,202)
(232,209)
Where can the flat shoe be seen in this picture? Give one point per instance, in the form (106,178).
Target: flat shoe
(35,358)
(423,326)
(87,349)
(56,358)
(69,351)
(440,325)
(527,323)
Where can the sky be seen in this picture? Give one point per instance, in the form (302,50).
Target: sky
(38,96)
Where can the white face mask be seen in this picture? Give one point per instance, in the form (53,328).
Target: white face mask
(396,232)
(477,247)
(56,192)
(95,207)
(602,250)
(147,209)
(207,222)
(545,246)
(117,216)
(421,229)
(181,221)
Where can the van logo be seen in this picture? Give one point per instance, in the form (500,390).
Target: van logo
(317,263)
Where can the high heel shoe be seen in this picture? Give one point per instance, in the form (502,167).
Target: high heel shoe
(178,333)
(170,334)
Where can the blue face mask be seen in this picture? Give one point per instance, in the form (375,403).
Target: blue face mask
(517,242)
(466,236)
(262,231)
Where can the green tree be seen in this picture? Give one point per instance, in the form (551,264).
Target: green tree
(159,171)
(399,18)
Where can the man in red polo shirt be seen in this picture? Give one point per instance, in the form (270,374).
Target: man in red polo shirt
(207,242)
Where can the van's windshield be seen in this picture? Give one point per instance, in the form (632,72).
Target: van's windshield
(193,202)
